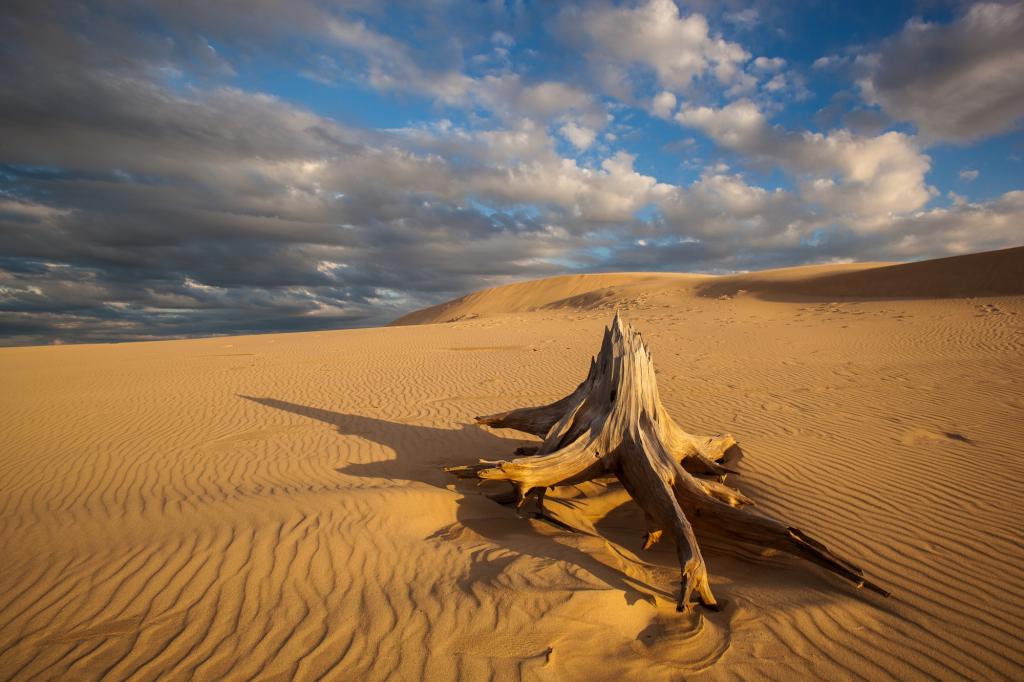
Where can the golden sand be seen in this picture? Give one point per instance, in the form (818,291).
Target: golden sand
(273,507)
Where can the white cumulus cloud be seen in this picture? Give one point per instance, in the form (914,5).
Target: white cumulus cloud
(654,35)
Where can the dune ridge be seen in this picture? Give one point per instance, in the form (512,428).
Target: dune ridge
(992,273)
(273,506)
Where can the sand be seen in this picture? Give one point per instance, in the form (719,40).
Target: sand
(272,507)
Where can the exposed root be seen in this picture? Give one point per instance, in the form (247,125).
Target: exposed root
(615,424)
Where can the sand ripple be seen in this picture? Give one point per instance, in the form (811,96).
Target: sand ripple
(271,507)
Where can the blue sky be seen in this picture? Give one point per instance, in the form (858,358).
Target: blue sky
(186,168)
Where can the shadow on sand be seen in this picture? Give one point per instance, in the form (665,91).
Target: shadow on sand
(421,452)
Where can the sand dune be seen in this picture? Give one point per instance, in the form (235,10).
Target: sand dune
(993,273)
(582,292)
(272,507)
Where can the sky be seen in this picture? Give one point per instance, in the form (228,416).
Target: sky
(178,168)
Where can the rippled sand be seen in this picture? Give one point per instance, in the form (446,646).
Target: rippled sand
(272,506)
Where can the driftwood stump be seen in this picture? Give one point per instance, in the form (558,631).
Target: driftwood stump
(614,424)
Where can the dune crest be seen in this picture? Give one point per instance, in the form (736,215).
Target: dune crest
(993,273)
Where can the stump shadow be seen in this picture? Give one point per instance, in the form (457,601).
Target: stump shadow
(422,451)
(420,454)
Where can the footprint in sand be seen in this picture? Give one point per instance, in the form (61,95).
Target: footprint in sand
(924,436)
(989,309)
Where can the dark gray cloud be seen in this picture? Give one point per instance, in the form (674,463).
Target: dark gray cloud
(959,81)
(136,204)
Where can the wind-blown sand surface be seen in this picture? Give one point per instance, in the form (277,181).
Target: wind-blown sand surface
(273,507)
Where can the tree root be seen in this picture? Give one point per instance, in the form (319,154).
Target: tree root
(614,423)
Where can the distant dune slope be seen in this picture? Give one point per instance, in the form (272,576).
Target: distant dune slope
(582,291)
(993,273)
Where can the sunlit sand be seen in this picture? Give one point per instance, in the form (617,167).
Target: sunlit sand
(274,506)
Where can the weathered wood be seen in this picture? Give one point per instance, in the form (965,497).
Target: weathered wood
(614,424)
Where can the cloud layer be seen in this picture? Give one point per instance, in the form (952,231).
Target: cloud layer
(153,186)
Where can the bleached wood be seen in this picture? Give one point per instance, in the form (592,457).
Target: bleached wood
(614,424)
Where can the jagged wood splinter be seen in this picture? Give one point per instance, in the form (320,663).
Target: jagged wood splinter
(614,424)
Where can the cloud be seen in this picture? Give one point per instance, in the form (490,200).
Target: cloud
(740,125)
(959,81)
(776,83)
(663,104)
(768,64)
(724,221)
(829,61)
(142,209)
(861,176)
(678,49)
(724,212)
(969,175)
(612,193)
(963,228)
(511,168)
(511,98)
(581,137)
(745,18)
(139,209)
